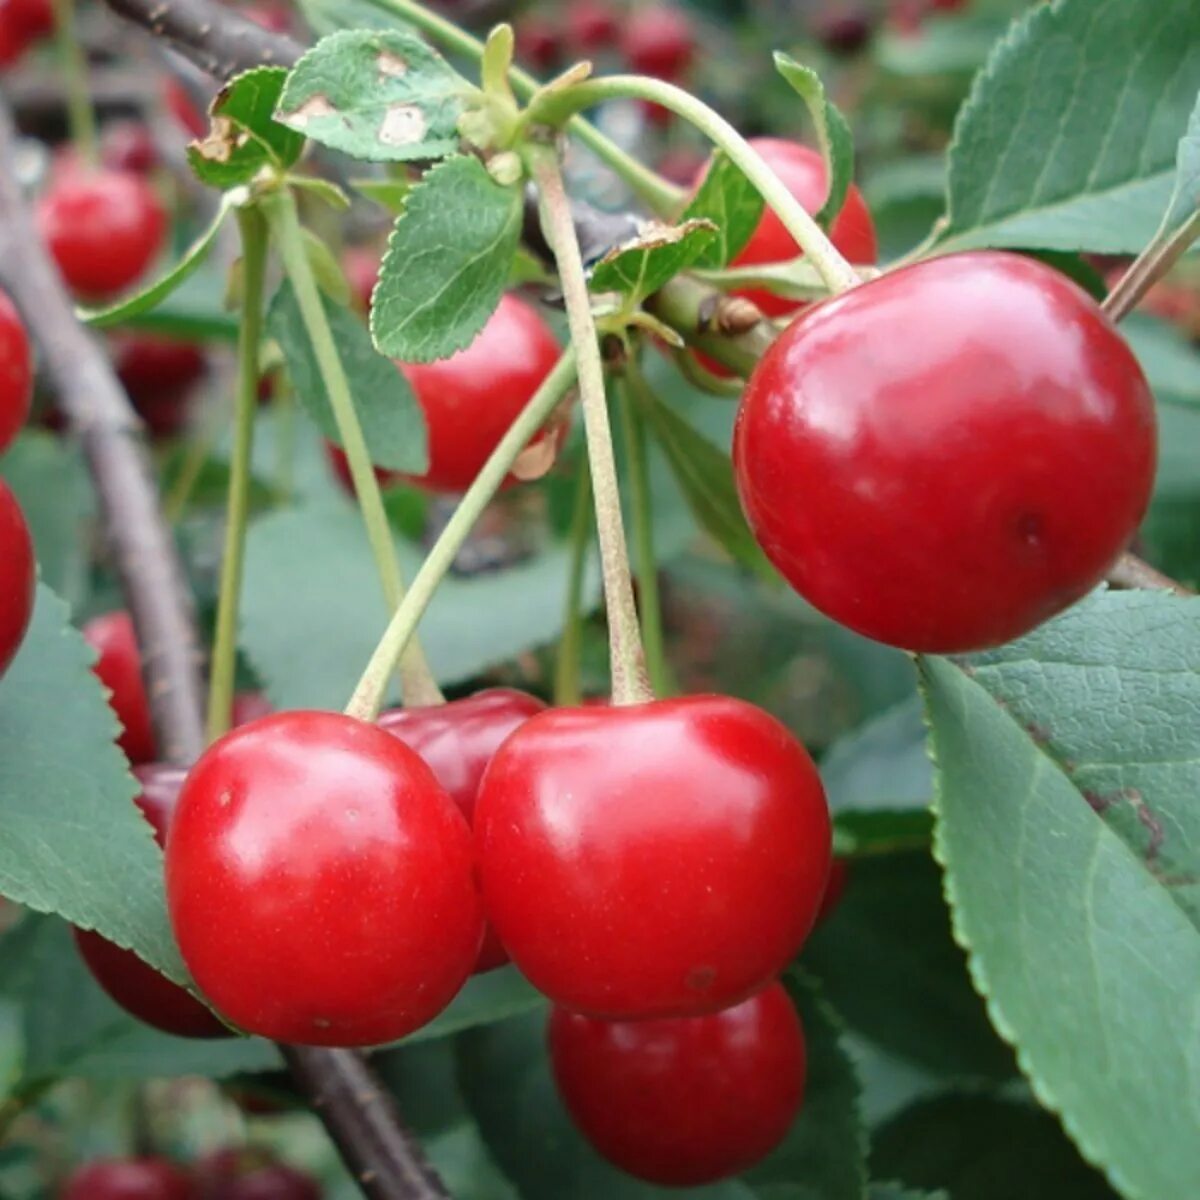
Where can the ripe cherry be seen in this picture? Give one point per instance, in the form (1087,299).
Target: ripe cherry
(661,859)
(18,575)
(159,374)
(133,984)
(183,108)
(103,228)
(16,372)
(320,882)
(128,1179)
(470,399)
(919,456)
(13,43)
(120,670)
(659,41)
(843,29)
(34,19)
(249,1173)
(833,889)
(249,706)
(591,26)
(128,146)
(458,740)
(683,1101)
(538,42)
(361,266)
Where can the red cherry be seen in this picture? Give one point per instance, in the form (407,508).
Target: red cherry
(470,399)
(662,859)
(320,882)
(845,29)
(591,26)
(250,1174)
(159,374)
(16,372)
(685,1100)
(457,740)
(919,456)
(13,43)
(361,265)
(833,889)
(18,575)
(341,470)
(134,985)
(29,20)
(538,42)
(659,41)
(249,706)
(948,5)
(128,146)
(120,670)
(103,228)
(128,1179)
(181,106)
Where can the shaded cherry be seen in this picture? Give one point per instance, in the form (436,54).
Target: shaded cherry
(298,845)
(361,267)
(683,1101)
(250,1173)
(119,668)
(16,372)
(592,26)
(538,41)
(183,108)
(249,706)
(838,871)
(661,859)
(948,424)
(340,464)
(128,146)
(18,576)
(845,28)
(128,1179)
(159,374)
(34,18)
(659,40)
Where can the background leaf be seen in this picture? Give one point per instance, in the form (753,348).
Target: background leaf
(658,253)
(732,203)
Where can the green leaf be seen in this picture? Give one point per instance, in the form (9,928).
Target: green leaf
(153,295)
(896,1191)
(243,136)
(391,418)
(1067,773)
(640,266)
(1069,138)
(833,133)
(484,999)
(986,1146)
(74,842)
(1171,363)
(956,46)
(881,765)
(329,16)
(382,95)
(447,262)
(195,312)
(391,194)
(1185,199)
(733,204)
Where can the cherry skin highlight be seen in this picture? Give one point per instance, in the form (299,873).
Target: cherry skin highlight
(128,1179)
(18,576)
(320,882)
(921,457)
(661,859)
(16,372)
(683,1101)
(120,670)
(470,399)
(134,985)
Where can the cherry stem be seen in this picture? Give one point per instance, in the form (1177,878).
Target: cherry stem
(553,108)
(661,195)
(629,682)
(81,117)
(417,682)
(224,655)
(368,695)
(567,688)
(1149,267)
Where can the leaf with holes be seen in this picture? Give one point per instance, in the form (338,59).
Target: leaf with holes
(640,266)
(380,95)
(1067,770)
(1070,136)
(733,204)
(447,262)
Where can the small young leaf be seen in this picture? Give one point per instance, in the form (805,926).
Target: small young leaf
(322,189)
(641,266)
(833,133)
(326,269)
(386,407)
(244,136)
(391,194)
(733,204)
(376,95)
(447,262)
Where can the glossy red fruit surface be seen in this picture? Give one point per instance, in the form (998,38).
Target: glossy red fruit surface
(33,19)
(658,40)
(470,399)
(685,1100)
(135,986)
(661,859)
(18,576)
(159,374)
(919,456)
(16,372)
(103,228)
(128,1179)
(128,146)
(120,670)
(320,882)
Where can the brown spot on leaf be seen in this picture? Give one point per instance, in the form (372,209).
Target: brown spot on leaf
(317,105)
(391,66)
(222,139)
(403,125)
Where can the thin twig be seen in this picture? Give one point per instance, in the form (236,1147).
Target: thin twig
(1150,266)
(1131,572)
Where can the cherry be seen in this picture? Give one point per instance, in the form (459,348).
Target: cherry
(833,889)
(249,706)
(320,882)
(948,5)
(181,106)
(128,146)
(591,26)
(845,29)
(538,42)
(120,670)
(16,372)
(361,265)
(683,1101)
(128,1179)
(13,42)
(103,228)
(133,984)
(470,399)
(159,374)
(659,41)
(661,859)
(18,575)
(457,740)
(919,456)
(249,1173)
(34,19)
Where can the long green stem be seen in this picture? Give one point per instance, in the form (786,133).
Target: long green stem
(81,118)
(662,196)
(368,695)
(416,679)
(629,682)
(567,689)
(224,656)
(555,108)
